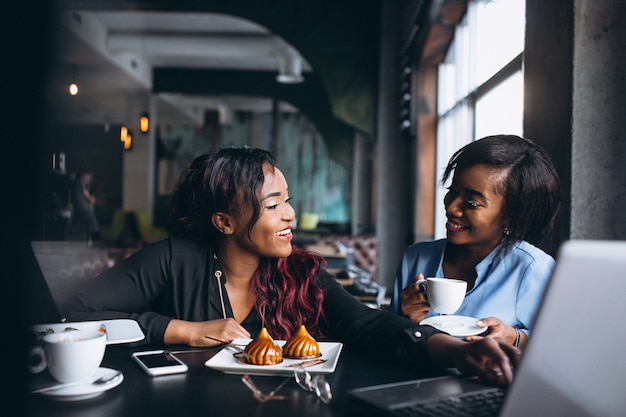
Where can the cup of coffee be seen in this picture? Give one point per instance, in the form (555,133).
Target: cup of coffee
(70,356)
(445,295)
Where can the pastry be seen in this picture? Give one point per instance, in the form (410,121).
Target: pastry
(301,345)
(263,350)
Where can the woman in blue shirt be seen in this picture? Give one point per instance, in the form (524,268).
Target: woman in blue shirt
(502,200)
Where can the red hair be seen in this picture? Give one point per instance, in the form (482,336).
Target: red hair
(288,293)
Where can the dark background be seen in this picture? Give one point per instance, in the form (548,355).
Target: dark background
(23,31)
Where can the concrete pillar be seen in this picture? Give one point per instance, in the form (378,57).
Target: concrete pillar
(361,219)
(599,120)
(392,175)
(139,174)
(548,84)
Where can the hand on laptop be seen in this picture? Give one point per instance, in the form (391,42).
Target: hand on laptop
(490,359)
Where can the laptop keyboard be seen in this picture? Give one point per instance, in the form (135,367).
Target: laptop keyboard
(478,404)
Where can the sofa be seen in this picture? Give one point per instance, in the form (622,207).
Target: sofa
(364,250)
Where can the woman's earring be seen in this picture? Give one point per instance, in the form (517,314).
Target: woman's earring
(507,231)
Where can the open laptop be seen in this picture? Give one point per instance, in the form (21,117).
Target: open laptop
(574,363)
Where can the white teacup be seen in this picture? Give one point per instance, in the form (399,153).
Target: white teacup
(445,295)
(70,356)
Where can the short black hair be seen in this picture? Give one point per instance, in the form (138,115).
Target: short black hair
(530,186)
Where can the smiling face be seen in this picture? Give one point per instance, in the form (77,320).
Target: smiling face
(474,209)
(271,235)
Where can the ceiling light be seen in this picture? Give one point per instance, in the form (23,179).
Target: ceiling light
(73,88)
(144,123)
(128,143)
(123,133)
(289,70)
(126,137)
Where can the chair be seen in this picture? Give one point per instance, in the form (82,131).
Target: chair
(365,250)
(147,231)
(119,224)
(67,265)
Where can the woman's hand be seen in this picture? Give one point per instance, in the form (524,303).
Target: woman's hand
(193,333)
(491,359)
(413,302)
(498,329)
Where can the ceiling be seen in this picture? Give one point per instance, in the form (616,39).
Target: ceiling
(112,55)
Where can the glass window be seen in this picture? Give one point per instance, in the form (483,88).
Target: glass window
(480,86)
(501,110)
(500,26)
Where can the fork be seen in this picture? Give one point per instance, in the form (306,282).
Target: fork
(226,344)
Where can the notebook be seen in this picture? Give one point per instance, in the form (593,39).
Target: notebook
(574,363)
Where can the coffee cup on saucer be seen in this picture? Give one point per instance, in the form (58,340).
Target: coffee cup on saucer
(445,295)
(70,356)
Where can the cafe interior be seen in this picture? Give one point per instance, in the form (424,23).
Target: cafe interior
(361,102)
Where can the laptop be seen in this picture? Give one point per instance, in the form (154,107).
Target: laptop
(574,363)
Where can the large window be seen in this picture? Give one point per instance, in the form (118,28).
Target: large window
(480,89)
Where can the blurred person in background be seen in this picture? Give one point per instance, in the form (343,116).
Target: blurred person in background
(83,201)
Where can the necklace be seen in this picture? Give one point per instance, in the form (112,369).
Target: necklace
(218,276)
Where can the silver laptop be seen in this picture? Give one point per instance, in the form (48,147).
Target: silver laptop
(574,363)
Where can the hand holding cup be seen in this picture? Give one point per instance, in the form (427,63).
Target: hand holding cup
(413,302)
(445,295)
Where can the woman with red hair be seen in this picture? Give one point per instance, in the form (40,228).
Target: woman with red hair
(228,269)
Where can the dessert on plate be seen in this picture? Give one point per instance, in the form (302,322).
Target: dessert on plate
(301,345)
(262,350)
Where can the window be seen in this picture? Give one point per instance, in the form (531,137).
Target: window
(480,89)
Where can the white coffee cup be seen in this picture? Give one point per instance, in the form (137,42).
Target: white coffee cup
(70,356)
(445,295)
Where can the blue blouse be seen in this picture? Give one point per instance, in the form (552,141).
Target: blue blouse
(508,287)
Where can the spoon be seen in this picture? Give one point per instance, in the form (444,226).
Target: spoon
(99,381)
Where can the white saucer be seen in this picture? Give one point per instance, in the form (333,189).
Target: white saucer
(459,326)
(83,392)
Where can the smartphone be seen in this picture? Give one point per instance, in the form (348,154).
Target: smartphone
(159,362)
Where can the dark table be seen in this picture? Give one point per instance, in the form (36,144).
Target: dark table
(206,392)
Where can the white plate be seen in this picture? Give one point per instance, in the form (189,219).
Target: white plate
(118,331)
(83,392)
(459,326)
(225,361)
